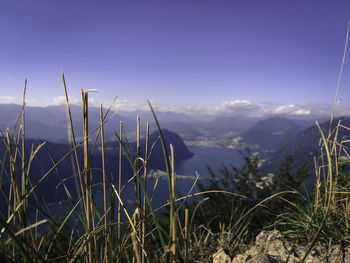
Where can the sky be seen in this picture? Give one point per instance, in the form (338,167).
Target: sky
(183,54)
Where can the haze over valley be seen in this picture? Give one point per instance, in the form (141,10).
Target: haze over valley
(198,141)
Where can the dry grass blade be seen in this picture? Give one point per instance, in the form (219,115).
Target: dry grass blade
(119,178)
(173,182)
(129,218)
(186,234)
(339,77)
(87,174)
(30,227)
(104,184)
(209,192)
(24,174)
(70,130)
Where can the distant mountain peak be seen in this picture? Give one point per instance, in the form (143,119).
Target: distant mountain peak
(269,133)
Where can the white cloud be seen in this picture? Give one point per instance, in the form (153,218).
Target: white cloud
(235,103)
(54,101)
(185,109)
(126,105)
(285,108)
(301,112)
(292,109)
(59,100)
(237,107)
(9,99)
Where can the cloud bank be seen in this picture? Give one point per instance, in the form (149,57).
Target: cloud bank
(226,108)
(241,108)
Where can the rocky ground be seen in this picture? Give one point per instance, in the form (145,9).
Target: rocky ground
(272,247)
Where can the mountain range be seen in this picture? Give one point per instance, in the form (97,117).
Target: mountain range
(275,137)
(51,190)
(305,144)
(50,123)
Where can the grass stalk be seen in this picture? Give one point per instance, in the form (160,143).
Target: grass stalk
(105,234)
(87,173)
(329,195)
(135,240)
(173,183)
(131,222)
(120,177)
(70,129)
(186,234)
(14,182)
(144,196)
(167,166)
(340,76)
(159,228)
(137,187)
(24,173)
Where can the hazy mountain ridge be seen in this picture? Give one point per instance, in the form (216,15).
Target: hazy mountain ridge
(274,137)
(50,123)
(305,144)
(258,134)
(52,189)
(270,133)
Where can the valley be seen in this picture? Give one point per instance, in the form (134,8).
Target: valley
(198,143)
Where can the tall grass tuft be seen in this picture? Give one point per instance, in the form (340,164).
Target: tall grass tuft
(86,232)
(322,218)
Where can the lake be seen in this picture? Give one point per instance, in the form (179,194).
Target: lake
(214,157)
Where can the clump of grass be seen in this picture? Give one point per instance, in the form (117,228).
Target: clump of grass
(147,235)
(18,234)
(323,217)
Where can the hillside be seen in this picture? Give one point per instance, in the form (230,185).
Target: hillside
(53,191)
(270,133)
(305,144)
(50,123)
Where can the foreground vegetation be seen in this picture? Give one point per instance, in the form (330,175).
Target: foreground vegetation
(228,211)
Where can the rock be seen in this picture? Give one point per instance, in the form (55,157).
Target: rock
(264,258)
(221,257)
(271,247)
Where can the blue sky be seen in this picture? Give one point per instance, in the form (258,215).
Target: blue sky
(201,53)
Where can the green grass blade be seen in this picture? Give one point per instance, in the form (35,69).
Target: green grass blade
(60,228)
(17,241)
(159,228)
(64,185)
(314,240)
(167,165)
(46,175)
